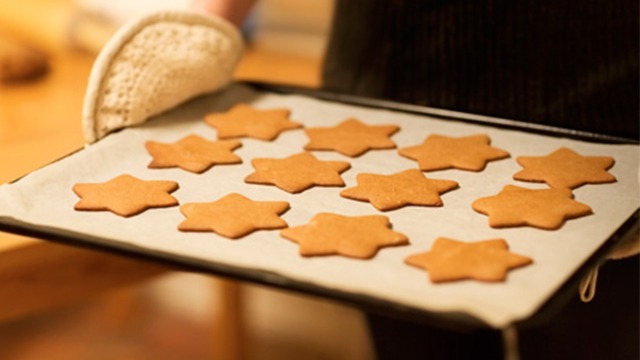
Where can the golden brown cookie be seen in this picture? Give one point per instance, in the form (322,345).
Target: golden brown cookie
(351,137)
(233,216)
(125,195)
(243,120)
(542,208)
(192,153)
(297,172)
(409,187)
(565,168)
(439,152)
(351,236)
(452,260)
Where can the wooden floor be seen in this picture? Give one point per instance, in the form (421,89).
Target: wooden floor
(136,323)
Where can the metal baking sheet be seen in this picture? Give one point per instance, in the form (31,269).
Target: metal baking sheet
(41,204)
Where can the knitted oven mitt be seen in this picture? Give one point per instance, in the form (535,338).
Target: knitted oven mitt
(154,63)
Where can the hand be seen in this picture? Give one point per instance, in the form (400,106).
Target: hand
(233,10)
(630,246)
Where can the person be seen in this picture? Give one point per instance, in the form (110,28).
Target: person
(550,62)
(235,11)
(561,63)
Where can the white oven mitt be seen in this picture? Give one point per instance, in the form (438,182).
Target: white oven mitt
(154,63)
(629,246)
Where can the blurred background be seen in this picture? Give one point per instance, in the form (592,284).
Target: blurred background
(60,302)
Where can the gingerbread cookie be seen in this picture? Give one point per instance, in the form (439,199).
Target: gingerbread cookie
(233,216)
(243,120)
(125,195)
(452,260)
(409,187)
(350,236)
(297,172)
(439,152)
(542,208)
(192,153)
(565,168)
(351,137)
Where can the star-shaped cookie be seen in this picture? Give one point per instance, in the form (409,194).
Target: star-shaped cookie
(409,187)
(350,236)
(452,260)
(351,137)
(233,216)
(192,153)
(125,195)
(243,120)
(439,152)
(297,172)
(542,208)
(565,168)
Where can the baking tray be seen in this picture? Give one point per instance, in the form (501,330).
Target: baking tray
(40,204)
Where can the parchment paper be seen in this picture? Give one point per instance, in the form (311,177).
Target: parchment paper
(45,198)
